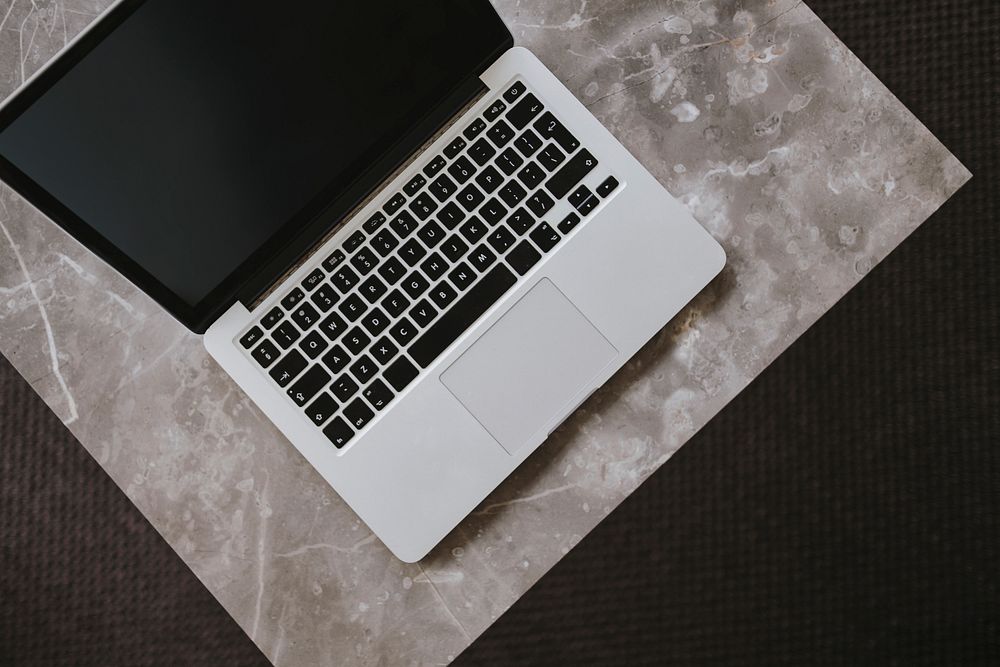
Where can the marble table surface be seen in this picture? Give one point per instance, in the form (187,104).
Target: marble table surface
(782,144)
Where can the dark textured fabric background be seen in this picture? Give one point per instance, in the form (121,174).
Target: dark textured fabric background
(843,510)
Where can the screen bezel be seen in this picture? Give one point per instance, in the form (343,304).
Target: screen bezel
(290,242)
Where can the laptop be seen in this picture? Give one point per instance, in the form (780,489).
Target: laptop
(408,243)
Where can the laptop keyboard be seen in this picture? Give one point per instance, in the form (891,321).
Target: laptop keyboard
(418,273)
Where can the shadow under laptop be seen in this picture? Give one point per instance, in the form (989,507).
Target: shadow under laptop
(589,464)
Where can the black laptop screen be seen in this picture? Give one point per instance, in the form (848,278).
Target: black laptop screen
(195,131)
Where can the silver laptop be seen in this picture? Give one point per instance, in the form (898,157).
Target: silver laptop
(401,236)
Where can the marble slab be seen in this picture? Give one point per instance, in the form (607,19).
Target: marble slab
(752,112)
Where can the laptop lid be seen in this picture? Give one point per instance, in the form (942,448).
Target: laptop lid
(201,148)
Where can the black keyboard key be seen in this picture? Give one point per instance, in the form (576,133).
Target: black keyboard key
(384,242)
(358,414)
(462,169)
(364,261)
(333,326)
(523,257)
(493,211)
(394,204)
(607,186)
(336,359)
(251,338)
(344,387)
(335,259)
(273,317)
(305,316)
(474,229)
(415,184)
(353,307)
(513,193)
(364,369)
(462,276)
(490,179)
(344,279)
(434,166)
(482,152)
(375,321)
(383,350)
(286,334)
(265,354)
(403,332)
(423,206)
(356,340)
(338,432)
(392,270)
(462,315)
(310,384)
(450,215)
(415,284)
(404,224)
(551,157)
(568,223)
(520,221)
(481,258)
(509,161)
(292,298)
(474,129)
(454,248)
(395,303)
(540,203)
(571,173)
(400,374)
(470,198)
(423,313)
(288,368)
(524,111)
(354,241)
(545,237)
(434,266)
(580,195)
(313,280)
(321,409)
(528,143)
(586,207)
(412,252)
(378,395)
(514,92)
(313,344)
(431,234)
(373,289)
(501,133)
(494,110)
(443,294)
(550,128)
(532,176)
(454,148)
(372,224)
(442,188)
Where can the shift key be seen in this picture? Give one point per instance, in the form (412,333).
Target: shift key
(462,315)
(571,173)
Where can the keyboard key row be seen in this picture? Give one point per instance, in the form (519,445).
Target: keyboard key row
(443,286)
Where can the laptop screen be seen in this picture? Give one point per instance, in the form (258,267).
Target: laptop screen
(195,131)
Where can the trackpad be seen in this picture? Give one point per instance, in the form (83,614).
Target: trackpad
(529,367)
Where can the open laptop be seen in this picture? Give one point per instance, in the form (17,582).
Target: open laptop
(403,238)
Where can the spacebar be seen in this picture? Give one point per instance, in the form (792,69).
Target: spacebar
(462,314)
